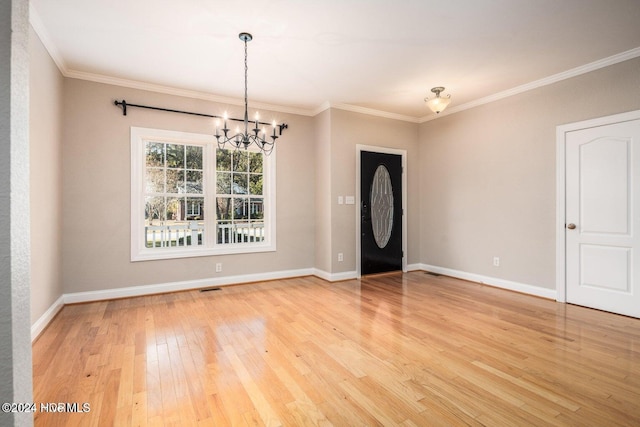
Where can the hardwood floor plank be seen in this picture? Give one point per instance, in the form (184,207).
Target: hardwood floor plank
(260,403)
(139,410)
(369,406)
(192,380)
(410,350)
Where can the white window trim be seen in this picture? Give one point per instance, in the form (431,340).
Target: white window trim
(141,253)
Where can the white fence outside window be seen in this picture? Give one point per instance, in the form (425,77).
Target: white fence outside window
(192,234)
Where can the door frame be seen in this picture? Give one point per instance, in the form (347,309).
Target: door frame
(383,150)
(561,247)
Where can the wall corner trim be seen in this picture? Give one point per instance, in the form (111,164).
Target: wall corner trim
(335,277)
(40,324)
(414,267)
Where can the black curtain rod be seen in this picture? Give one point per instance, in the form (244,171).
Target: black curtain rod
(124,104)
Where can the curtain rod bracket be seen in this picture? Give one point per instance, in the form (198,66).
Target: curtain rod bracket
(122,104)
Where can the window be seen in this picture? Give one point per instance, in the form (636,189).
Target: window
(239,198)
(191,198)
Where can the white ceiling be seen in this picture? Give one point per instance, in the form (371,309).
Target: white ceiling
(366,54)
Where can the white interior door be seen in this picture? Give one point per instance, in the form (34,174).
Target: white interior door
(603,217)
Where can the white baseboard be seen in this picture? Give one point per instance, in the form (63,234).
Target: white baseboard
(493,281)
(414,267)
(335,277)
(43,321)
(134,291)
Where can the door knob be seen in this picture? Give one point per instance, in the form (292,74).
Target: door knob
(571,226)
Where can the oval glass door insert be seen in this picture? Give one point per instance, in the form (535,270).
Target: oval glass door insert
(381,206)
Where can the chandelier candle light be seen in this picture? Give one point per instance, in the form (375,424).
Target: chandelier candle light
(257,136)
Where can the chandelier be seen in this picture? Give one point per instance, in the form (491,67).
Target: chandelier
(256,135)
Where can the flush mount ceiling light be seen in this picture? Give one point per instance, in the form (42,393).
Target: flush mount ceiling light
(256,135)
(438,103)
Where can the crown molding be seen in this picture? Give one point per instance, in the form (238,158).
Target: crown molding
(373,112)
(169,90)
(41,31)
(368,111)
(322,107)
(574,72)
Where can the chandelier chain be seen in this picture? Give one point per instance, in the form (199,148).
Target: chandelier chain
(246,90)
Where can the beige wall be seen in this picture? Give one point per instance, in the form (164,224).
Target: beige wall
(45,135)
(347,130)
(487,175)
(96,191)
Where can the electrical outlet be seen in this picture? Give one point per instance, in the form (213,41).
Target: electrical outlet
(496,261)
(340,257)
(218,267)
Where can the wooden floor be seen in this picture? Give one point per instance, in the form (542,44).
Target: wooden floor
(411,350)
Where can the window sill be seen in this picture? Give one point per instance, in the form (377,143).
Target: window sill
(173,253)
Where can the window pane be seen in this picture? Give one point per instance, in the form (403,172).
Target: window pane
(255,162)
(154,154)
(256,208)
(223,183)
(174,209)
(154,181)
(194,209)
(175,181)
(194,157)
(175,156)
(241,208)
(255,184)
(194,182)
(154,211)
(223,160)
(240,184)
(240,161)
(223,208)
